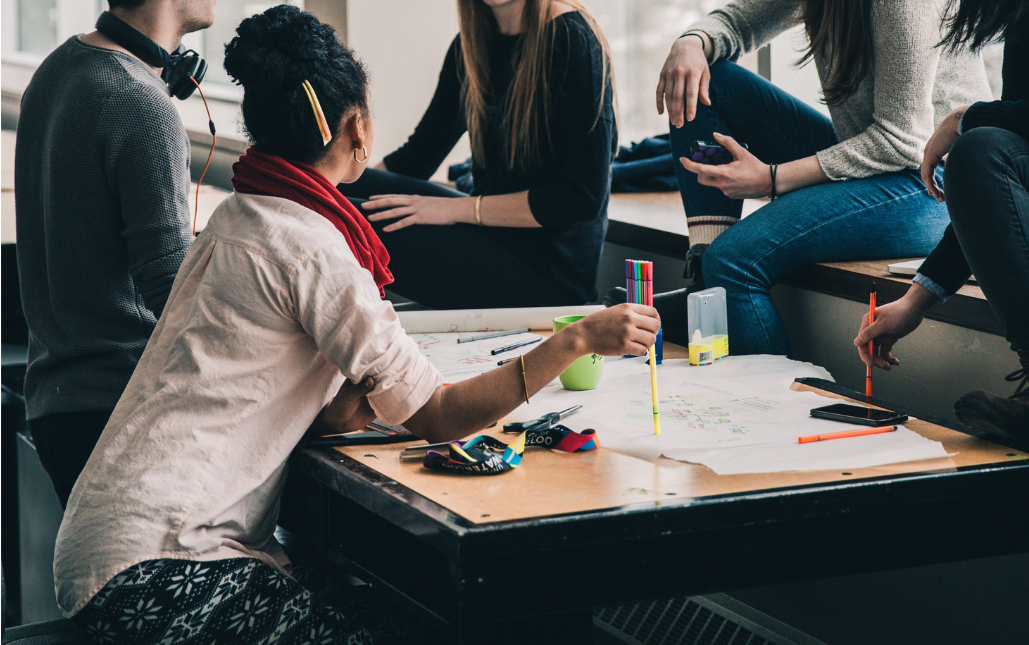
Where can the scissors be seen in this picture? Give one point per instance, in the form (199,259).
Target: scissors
(545,422)
(376,433)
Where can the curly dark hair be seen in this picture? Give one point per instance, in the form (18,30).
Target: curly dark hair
(270,56)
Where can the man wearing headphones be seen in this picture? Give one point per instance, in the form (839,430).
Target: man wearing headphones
(101,186)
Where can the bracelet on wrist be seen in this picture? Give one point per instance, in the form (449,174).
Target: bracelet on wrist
(703,43)
(772,170)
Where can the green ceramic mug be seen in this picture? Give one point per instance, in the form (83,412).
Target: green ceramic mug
(585,372)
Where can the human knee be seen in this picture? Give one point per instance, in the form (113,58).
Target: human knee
(981,154)
(721,266)
(727,74)
(980,163)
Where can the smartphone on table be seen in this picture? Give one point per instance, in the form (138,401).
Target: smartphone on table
(858,414)
(709,153)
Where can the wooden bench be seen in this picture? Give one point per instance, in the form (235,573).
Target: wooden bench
(654,222)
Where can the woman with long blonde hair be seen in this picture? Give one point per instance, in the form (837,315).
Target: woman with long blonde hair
(530,81)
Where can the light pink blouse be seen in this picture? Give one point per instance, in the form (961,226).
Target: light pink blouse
(268,314)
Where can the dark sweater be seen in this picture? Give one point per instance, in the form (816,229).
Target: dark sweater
(946,266)
(101,185)
(568,184)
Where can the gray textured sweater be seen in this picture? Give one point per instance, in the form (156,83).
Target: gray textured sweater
(912,85)
(101,192)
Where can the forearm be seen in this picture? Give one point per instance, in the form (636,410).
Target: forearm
(798,174)
(919,299)
(455,411)
(510,210)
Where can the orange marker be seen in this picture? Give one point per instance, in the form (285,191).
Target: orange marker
(871,343)
(845,434)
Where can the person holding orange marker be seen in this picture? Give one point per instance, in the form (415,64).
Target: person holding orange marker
(986,176)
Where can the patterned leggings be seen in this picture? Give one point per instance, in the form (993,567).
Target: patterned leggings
(239,600)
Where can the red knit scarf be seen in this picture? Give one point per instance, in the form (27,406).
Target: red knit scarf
(257,173)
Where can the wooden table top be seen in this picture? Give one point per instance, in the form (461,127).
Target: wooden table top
(551,483)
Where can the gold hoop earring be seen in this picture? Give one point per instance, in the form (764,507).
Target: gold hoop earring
(364,149)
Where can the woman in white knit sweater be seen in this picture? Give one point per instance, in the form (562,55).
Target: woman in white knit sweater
(848,188)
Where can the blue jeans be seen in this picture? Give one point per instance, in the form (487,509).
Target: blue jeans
(885,216)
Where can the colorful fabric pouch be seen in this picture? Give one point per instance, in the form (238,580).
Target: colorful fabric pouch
(485,455)
(482,455)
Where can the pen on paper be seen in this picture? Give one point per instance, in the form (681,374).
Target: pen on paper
(508,348)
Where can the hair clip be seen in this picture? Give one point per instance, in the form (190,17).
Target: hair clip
(323,124)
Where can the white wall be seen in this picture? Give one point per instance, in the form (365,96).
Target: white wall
(802,82)
(403,44)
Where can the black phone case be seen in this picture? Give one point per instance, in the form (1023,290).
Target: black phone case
(872,423)
(708,153)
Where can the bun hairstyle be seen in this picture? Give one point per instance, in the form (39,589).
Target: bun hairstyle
(271,56)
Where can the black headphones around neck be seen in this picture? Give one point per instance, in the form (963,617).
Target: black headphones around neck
(180,67)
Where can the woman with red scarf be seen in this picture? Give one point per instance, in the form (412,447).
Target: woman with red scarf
(275,321)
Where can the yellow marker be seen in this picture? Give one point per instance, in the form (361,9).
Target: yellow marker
(653,390)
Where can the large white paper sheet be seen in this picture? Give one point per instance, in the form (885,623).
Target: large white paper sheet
(460,361)
(736,416)
(838,454)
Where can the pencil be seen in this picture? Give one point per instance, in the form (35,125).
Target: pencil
(861,432)
(507,348)
(871,343)
(653,389)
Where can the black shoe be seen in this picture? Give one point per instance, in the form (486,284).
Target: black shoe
(1007,417)
(671,306)
(615,296)
(695,266)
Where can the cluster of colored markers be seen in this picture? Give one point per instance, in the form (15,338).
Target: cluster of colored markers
(639,285)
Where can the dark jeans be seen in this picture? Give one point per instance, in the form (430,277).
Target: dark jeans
(883,216)
(776,127)
(987,173)
(64,442)
(453,267)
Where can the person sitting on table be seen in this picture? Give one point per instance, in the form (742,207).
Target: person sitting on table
(530,82)
(274,317)
(102,190)
(844,188)
(986,177)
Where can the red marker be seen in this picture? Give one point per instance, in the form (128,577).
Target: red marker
(871,343)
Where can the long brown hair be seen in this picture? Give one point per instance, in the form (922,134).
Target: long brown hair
(527,102)
(840,32)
